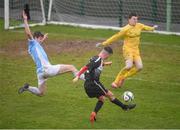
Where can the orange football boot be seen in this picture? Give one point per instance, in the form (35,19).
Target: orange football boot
(92,117)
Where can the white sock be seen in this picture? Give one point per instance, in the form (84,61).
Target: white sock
(75,73)
(82,77)
(34,90)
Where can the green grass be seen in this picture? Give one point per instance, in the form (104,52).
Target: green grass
(65,105)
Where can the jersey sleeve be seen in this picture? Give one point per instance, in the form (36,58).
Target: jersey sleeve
(94,62)
(31,41)
(147,28)
(115,37)
(82,70)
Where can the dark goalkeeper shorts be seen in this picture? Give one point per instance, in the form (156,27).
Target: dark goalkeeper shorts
(94,89)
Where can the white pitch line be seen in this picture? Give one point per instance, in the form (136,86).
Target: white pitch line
(144,80)
(170,83)
(159,44)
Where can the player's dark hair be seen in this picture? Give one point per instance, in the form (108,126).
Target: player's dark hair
(132,14)
(108,49)
(37,34)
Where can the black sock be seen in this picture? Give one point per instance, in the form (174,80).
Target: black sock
(98,106)
(119,103)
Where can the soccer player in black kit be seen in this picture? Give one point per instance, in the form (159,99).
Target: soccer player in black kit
(92,85)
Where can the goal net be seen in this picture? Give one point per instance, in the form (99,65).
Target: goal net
(114,13)
(111,14)
(13,12)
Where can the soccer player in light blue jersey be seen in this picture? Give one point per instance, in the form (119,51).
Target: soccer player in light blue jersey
(44,67)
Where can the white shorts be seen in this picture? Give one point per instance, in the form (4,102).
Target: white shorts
(48,71)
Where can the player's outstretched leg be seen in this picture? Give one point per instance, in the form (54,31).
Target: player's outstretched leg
(118,102)
(136,68)
(120,78)
(34,90)
(129,107)
(69,68)
(131,68)
(23,88)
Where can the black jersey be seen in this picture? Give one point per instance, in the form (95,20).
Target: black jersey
(94,69)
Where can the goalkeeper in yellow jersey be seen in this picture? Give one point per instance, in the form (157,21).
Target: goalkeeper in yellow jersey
(131,34)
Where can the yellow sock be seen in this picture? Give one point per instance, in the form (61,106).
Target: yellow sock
(131,72)
(121,75)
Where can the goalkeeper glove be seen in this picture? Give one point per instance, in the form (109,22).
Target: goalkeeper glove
(155,26)
(98,45)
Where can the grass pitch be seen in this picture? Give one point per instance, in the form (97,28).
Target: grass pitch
(65,105)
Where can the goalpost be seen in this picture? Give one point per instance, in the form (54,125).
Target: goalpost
(13,13)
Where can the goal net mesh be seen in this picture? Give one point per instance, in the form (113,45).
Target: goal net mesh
(15,12)
(115,12)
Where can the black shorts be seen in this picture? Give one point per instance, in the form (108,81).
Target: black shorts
(94,89)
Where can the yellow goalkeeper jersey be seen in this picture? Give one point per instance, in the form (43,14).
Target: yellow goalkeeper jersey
(130,34)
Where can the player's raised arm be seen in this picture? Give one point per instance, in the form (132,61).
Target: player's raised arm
(149,28)
(112,39)
(44,37)
(107,63)
(26,26)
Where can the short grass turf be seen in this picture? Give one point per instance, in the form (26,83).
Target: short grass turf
(65,105)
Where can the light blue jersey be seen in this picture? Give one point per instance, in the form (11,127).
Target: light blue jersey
(38,54)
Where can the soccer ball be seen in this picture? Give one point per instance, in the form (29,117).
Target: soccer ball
(128,96)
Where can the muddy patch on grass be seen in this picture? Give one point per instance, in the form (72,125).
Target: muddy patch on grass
(77,47)
(20,48)
(17,48)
